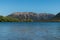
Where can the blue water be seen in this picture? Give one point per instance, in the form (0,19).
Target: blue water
(30,31)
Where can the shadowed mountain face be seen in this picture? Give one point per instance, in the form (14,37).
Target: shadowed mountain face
(31,15)
(57,17)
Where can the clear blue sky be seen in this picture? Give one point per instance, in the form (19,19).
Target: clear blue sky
(39,6)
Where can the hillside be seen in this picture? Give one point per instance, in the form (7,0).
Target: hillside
(56,18)
(8,19)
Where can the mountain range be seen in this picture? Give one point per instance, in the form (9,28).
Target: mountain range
(31,16)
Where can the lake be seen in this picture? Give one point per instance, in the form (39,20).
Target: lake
(29,30)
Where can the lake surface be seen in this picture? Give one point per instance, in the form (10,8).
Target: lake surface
(30,31)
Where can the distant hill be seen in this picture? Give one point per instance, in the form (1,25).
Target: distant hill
(31,16)
(57,17)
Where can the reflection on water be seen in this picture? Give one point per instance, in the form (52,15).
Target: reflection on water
(30,31)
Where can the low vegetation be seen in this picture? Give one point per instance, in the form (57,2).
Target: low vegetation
(11,19)
(8,19)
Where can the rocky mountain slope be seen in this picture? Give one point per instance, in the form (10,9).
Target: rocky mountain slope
(31,15)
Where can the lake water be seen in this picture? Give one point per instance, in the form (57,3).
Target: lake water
(30,31)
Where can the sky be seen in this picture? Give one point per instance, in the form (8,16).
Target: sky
(39,6)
